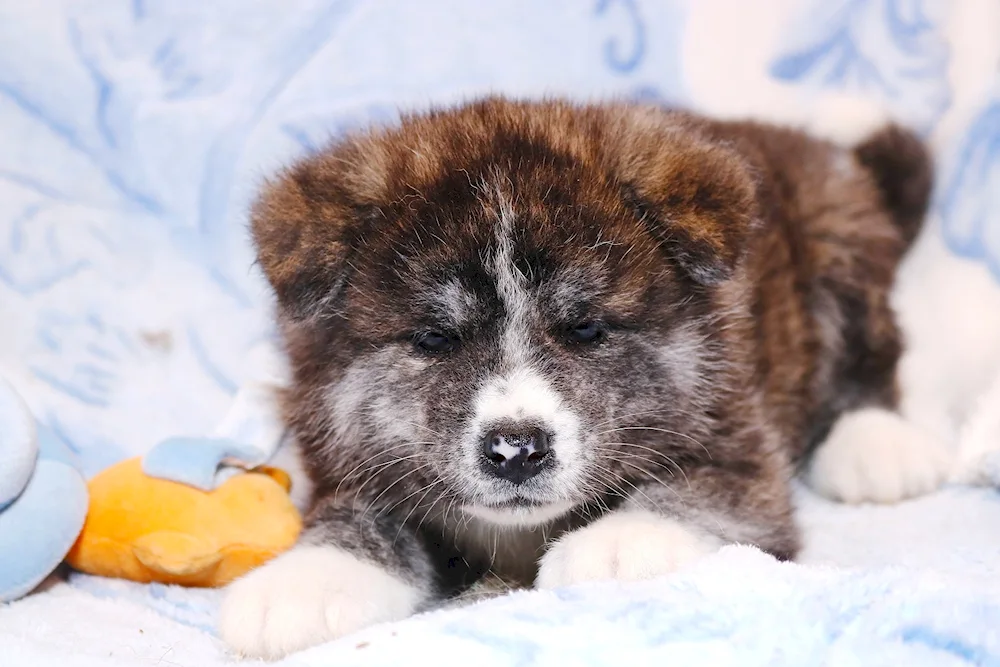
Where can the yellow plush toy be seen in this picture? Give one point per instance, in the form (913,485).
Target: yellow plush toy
(148,529)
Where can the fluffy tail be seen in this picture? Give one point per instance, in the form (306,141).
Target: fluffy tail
(904,174)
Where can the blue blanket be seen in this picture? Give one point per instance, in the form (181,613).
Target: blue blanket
(134,134)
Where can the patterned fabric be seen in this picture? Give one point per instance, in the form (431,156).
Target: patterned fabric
(135,133)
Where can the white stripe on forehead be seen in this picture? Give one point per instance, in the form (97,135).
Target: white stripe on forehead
(454,301)
(520,395)
(514,337)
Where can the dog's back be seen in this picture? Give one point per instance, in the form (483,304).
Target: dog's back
(836,222)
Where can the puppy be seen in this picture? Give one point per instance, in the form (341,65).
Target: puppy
(556,343)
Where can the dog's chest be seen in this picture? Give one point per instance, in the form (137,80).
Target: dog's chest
(510,552)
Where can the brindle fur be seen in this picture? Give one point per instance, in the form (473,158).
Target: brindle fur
(744,270)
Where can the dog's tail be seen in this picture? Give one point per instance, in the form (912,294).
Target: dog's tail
(904,173)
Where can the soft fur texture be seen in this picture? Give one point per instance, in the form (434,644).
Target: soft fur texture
(681,308)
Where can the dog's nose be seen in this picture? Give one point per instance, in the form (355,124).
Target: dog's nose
(515,455)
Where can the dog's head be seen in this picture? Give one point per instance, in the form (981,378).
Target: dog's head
(506,305)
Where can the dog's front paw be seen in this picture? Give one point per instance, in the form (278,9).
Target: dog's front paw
(625,545)
(876,455)
(308,596)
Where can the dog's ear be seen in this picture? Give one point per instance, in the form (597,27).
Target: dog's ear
(297,225)
(308,218)
(699,201)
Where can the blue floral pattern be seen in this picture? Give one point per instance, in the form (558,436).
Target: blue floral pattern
(619,57)
(895,50)
(969,198)
(136,133)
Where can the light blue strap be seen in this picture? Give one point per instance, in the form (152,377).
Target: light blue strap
(203,463)
(248,436)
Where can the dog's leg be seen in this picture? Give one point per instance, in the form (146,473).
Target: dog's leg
(667,525)
(349,571)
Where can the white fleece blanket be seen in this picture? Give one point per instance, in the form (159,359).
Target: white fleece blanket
(134,133)
(913,585)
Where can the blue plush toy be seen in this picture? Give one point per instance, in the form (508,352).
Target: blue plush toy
(43,499)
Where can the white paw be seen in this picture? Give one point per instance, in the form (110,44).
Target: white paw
(306,597)
(874,455)
(626,545)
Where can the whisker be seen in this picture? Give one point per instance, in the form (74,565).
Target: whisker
(368,481)
(385,464)
(427,513)
(611,479)
(375,456)
(502,582)
(388,488)
(415,506)
(389,508)
(676,466)
(496,544)
(619,490)
(659,430)
(643,448)
(652,477)
(629,416)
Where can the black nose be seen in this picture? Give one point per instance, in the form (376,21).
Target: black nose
(515,455)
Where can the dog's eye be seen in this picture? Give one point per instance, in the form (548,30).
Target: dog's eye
(586,332)
(434,342)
